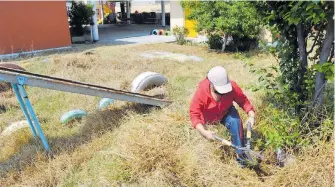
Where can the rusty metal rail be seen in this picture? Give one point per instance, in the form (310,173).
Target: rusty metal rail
(31,79)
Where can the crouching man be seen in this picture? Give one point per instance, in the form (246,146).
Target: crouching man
(213,102)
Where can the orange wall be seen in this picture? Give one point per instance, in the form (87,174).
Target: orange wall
(33,25)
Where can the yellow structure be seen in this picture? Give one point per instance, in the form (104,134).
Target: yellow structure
(178,17)
(107,11)
(190,25)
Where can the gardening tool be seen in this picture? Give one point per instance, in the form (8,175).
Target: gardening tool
(251,156)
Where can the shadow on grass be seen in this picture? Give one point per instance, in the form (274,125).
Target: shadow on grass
(261,173)
(95,125)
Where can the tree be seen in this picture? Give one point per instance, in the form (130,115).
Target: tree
(237,19)
(297,22)
(327,48)
(80,15)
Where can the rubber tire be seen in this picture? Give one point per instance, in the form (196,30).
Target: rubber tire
(147,79)
(71,115)
(154,32)
(15,126)
(104,102)
(4,86)
(167,33)
(161,32)
(12,66)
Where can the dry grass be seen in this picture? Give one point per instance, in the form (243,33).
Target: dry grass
(315,167)
(131,145)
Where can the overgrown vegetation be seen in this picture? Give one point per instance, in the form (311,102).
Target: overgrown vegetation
(292,92)
(132,145)
(180,33)
(80,15)
(298,23)
(280,125)
(221,20)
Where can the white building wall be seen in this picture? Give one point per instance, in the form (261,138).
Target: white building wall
(176,14)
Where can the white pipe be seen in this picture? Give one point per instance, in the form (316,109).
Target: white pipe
(95,21)
(128,12)
(163,13)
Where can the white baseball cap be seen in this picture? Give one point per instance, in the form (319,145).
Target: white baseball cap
(219,78)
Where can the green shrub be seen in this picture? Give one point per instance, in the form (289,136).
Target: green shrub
(244,43)
(279,128)
(80,15)
(215,41)
(180,34)
(279,122)
(237,19)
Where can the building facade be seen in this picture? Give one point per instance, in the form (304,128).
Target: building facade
(33,25)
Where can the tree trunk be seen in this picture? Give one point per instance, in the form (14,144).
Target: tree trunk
(325,51)
(302,57)
(331,57)
(224,43)
(302,46)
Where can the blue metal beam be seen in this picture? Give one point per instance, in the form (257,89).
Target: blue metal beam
(33,115)
(24,109)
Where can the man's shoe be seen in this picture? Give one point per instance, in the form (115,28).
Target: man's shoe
(241,162)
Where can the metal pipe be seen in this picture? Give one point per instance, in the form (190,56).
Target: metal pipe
(23,107)
(33,115)
(163,13)
(128,12)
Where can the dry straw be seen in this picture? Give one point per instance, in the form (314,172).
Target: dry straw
(132,145)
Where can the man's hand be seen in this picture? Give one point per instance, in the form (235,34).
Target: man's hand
(251,118)
(206,133)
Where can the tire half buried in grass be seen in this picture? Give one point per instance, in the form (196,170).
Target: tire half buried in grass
(167,33)
(15,126)
(147,80)
(154,32)
(161,32)
(4,86)
(104,102)
(72,115)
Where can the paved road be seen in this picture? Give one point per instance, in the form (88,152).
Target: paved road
(130,34)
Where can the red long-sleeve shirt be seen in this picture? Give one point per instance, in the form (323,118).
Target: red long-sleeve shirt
(204,109)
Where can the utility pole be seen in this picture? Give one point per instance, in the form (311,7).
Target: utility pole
(163,13)
(95,32)
(128,12)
